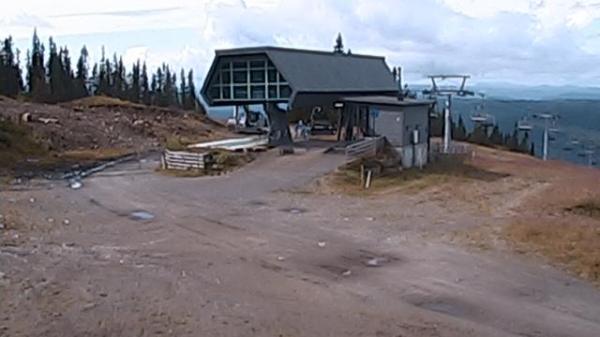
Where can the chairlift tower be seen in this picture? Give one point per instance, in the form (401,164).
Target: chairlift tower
(547,118)
(437,90)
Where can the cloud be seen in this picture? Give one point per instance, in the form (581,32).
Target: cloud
(525,41)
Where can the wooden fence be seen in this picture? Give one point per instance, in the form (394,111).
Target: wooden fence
(369,147)
(179,160)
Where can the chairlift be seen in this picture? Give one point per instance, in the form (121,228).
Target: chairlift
(483,119)
(524,125)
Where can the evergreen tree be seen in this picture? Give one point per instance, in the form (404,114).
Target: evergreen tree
(496,136)
(36,71)
(81,76)
(339,44)
(55,73)
(459,130)
(524,144)
(183,91)
(136,89)
(192,103)
(10,72)
(145,86)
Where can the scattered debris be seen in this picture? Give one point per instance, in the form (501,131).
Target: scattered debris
(47,120)
(75,184)
(322,244)
(376,262)
(141,216)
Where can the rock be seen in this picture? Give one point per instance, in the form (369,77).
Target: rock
(50,220)
(89,306)
(280,258)
(2,275)
(32,200)
(75,184)
(370,219)
(66,222)
(2,226)
(322,244)
(347,273)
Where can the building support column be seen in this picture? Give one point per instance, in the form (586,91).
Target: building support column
(279,126)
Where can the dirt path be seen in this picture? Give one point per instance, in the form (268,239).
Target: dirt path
(247,254)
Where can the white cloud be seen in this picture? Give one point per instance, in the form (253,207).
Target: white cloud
(517,40)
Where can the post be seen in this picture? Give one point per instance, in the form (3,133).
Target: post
(447,135)
(369,178)
(545,143)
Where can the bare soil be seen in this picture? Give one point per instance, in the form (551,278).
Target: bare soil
(272,249)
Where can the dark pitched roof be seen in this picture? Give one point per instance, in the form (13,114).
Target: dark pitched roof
(318,71)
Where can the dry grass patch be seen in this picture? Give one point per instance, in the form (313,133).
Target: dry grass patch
(589,208)
(347,179)
(103,102)
(575,245)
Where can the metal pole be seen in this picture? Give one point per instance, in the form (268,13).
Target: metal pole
(545,149)
(447,136)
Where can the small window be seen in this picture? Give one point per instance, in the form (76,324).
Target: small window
(281,79)
(226,92)
(226,66)
(257,64)
(273,92)
(270,64)
(285,91)
(226,75)
(215,93)
(240,92)
(240,65)
(240,77)
(272,76)
(257,76)
(258,92)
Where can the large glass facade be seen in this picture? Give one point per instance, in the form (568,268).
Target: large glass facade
(249,80)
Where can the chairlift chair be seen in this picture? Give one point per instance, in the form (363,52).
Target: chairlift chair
(524,125)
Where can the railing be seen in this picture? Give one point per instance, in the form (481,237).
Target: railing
(453,148)
(178,160)
(369,147)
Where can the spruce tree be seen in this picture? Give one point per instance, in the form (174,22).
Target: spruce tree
(10,71)
(36,71)
(145,86)
(339,44)
(81,76)
(191,91)
(182,90)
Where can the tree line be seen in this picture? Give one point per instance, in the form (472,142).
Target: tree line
(482,135)
(51,78)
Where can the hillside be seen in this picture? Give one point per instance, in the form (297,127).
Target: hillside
(40,136)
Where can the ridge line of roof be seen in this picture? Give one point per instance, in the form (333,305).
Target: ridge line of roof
(265,49)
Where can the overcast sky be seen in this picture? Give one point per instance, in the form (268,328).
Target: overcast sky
(553,42)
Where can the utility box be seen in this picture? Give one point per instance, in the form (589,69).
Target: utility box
(404,123)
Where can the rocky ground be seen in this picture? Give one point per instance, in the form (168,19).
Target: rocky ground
(274,249)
